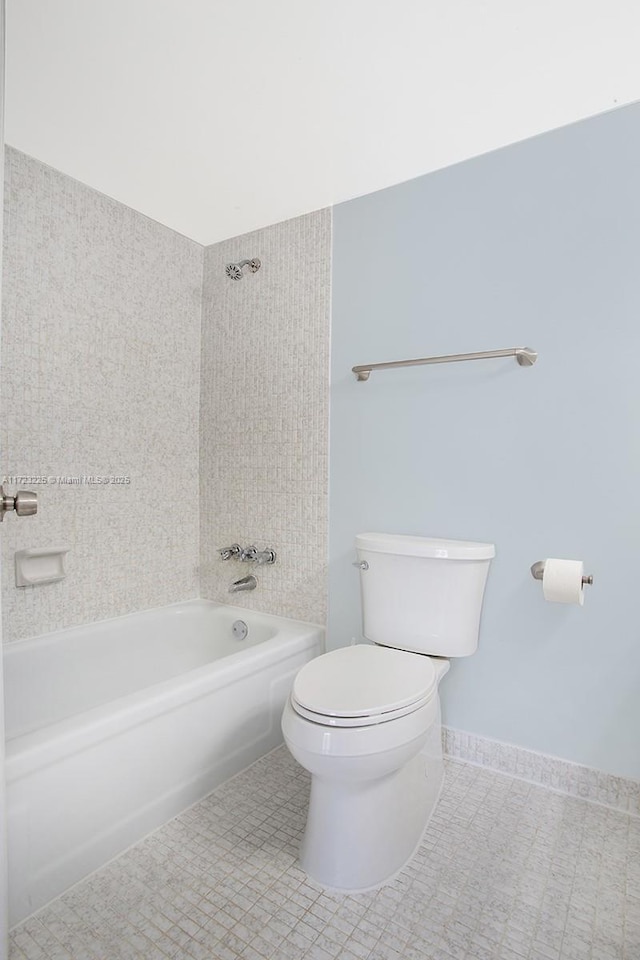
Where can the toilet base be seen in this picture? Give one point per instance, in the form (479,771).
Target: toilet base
(359,835)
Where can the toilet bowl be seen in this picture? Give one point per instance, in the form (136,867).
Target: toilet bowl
(376,776)
(364,720)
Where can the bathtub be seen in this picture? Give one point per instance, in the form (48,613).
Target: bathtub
(114,727)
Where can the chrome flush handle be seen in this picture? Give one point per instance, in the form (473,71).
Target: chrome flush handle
(361,564)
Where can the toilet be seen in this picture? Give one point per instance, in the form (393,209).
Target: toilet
(364,720)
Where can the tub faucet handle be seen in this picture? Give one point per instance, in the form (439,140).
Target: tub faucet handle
(253,555)
(235,550)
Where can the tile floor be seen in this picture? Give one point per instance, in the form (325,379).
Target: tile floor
(507,871)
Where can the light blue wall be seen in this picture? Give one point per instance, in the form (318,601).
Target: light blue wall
(539,245)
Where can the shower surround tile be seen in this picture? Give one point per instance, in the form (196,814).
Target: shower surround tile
(264,416)
(102,349)
(506,871)
(100,377)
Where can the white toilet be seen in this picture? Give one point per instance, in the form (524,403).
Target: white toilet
(365,720)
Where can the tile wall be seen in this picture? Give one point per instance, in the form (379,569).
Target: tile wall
(264,416)
(100,378)
(101,352)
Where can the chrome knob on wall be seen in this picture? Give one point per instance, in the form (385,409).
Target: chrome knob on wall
(25,503)
(253,555)
(228,552)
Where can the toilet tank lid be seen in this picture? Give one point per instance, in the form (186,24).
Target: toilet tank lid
(434,547)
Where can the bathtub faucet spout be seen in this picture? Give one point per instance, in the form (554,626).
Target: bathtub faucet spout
(246,583)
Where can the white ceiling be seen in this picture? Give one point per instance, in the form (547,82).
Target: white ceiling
(218,117)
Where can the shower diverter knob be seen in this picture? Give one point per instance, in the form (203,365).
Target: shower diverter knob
(25,503)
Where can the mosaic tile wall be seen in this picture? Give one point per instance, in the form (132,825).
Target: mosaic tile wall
(100,358)
(264,413)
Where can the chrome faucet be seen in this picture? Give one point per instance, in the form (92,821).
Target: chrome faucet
(247,554)
(246,583)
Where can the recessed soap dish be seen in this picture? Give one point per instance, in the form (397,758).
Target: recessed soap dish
(40,565)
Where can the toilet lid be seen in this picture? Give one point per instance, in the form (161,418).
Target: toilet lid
(363,682)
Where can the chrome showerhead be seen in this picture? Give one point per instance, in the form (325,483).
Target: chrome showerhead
(234,270)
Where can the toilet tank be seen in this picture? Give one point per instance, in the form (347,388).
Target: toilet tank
(422,594)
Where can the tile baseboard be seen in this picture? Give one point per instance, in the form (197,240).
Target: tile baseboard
(563,776)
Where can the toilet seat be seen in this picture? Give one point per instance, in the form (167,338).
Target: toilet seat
(364,721)
(363,685)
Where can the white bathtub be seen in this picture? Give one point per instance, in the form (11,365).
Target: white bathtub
(115,727)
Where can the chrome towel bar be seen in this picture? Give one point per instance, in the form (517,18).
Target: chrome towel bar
(525,357)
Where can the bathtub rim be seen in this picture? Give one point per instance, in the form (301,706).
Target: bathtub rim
(190,602)
(29,752)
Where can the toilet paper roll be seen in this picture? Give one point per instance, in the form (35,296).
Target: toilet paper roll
(562,581)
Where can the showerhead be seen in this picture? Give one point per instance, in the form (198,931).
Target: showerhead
(234,270)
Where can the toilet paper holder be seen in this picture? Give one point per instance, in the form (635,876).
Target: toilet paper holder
(537,572)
